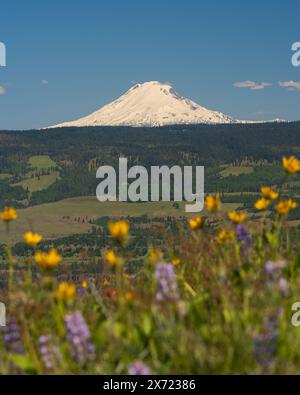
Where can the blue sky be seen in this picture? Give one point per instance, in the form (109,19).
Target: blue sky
(89,52)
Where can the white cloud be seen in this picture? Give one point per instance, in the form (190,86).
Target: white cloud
(44,82)
(290,85)
(255,86)
(2,90)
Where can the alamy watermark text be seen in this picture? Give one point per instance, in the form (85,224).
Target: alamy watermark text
(2,55)
(296,55)
(2,314)
(159,185)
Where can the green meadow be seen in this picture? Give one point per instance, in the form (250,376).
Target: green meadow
(65,217)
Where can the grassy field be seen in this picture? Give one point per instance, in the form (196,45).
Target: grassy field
(4,176)
(39,183)
(236,171)
(41,162)
(58,219)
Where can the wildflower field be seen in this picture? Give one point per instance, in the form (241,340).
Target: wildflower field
(217,298)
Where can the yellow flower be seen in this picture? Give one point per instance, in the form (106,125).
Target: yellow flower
(225,235)
(111,258)
(196,222)
(154,256)
(129,296)
(119,230)
(212,203)
(8,214)
(66,291)
(32,239)
(262,204)
(105,282)
(291,164)
(236,217)
(284,207)
(84,284)
(47,261)
(176,262)
(268,193)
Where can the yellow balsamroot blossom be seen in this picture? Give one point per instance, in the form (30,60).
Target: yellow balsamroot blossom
(291,164)
(176,262)
(262,204)
(119,230)
(129,296)
(8,214)
(32,239)
(105,282)
(112,258)
(212,203)
(154,256)
(269,194)
(66,291)
(196,222)
(84,284)
(47,261)
(225,235)
(284,207)
(237,218)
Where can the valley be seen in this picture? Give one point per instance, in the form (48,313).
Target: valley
(50,176)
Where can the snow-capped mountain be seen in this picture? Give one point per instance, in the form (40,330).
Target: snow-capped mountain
(151,104)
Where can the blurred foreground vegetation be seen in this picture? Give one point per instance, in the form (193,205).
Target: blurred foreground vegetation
(215,296)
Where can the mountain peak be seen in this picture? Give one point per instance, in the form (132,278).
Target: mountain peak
(151,103)
(149,84)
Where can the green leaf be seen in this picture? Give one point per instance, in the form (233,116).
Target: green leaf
(24,362)
(146,325)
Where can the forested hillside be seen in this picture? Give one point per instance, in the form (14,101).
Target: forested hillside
(238,158)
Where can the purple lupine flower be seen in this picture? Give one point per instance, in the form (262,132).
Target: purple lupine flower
(50,354)
(283,286)
(80,291)
(12,337)
(265,347)
(273,272)
(78,335)
(274,268)
(138,368)
(166,281)
(272,324)
(244,237)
